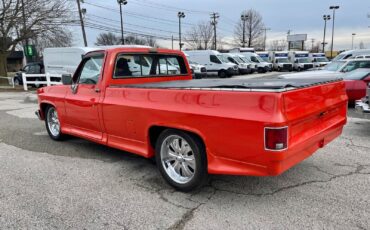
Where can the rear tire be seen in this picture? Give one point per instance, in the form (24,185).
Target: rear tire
(52,124)
(181,159)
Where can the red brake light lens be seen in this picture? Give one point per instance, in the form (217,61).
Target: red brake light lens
(276,139)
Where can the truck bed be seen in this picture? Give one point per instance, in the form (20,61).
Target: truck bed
(268,85)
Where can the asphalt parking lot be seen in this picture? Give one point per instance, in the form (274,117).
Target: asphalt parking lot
(82,185)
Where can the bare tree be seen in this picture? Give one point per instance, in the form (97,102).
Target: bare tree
(278,45)
(55,39)
(107,39)
(200,36)
(253,27)
(20,22)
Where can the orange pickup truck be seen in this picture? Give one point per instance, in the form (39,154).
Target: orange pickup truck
(143,100)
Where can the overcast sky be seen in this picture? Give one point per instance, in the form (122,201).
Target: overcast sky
(159,18)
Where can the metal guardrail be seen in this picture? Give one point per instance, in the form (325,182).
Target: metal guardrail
(46,76)
(10,80)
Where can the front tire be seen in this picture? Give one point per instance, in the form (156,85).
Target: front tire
(181,159)
(222,74)
(52,124)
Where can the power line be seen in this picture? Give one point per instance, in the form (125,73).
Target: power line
(167,7)
(135,14)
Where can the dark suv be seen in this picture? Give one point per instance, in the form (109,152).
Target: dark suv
(30,68)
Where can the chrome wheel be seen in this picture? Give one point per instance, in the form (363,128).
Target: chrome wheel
(53,122)
(177,158)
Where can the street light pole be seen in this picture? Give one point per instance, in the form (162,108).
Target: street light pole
(353,37)
(264,42)
(121,2)
(244,18)
(326,18)
(180,15)
(332,32)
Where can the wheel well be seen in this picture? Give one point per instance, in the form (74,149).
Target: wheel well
(43,107)
(155,131)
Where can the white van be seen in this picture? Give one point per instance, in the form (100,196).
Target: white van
(318,59)
(244,67)
(352,54)
(242,50)
(265,55)
(300,60)
(64,60)
(262,66)
(280,61)
(214,61)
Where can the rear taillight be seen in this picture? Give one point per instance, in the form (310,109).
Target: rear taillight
(276,139)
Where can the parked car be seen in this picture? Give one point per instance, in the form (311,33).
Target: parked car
(30,68)
(363,106)
(193,128)
(356,83)
(333,68)
(200,71)
(352,54)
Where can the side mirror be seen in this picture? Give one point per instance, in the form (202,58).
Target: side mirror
(67,79)
(366,79)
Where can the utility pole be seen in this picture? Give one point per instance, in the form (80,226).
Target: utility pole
(332,32)
(24,29)
(244,17)
(214,17)
(121,2)
(172,41)
(312,43)
(82,22)
(264,42)
(353,37)
(180,15)
(326,18)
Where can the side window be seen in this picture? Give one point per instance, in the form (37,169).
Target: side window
(144,65)
(90,70)
(364,64)
(214,59)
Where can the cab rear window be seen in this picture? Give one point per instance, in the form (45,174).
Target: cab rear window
(148,65)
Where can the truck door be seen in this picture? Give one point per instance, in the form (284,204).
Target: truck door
(82,100)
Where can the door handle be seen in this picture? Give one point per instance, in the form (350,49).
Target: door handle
(97,90)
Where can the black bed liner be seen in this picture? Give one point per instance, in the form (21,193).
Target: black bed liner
(236,84)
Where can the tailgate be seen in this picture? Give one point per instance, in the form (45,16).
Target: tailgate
(312,111)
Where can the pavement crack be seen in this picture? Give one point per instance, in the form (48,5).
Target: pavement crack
(186,217)
(357,171)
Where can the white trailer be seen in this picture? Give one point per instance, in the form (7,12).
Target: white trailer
(300,60)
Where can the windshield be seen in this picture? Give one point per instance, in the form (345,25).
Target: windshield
(341,56)
(334,66)
(245,59)
(282,60)
(266,59)
(193,62)
(239,59)
(357,74)
(223,58)
(256,59)
(322,59)
(303,60)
